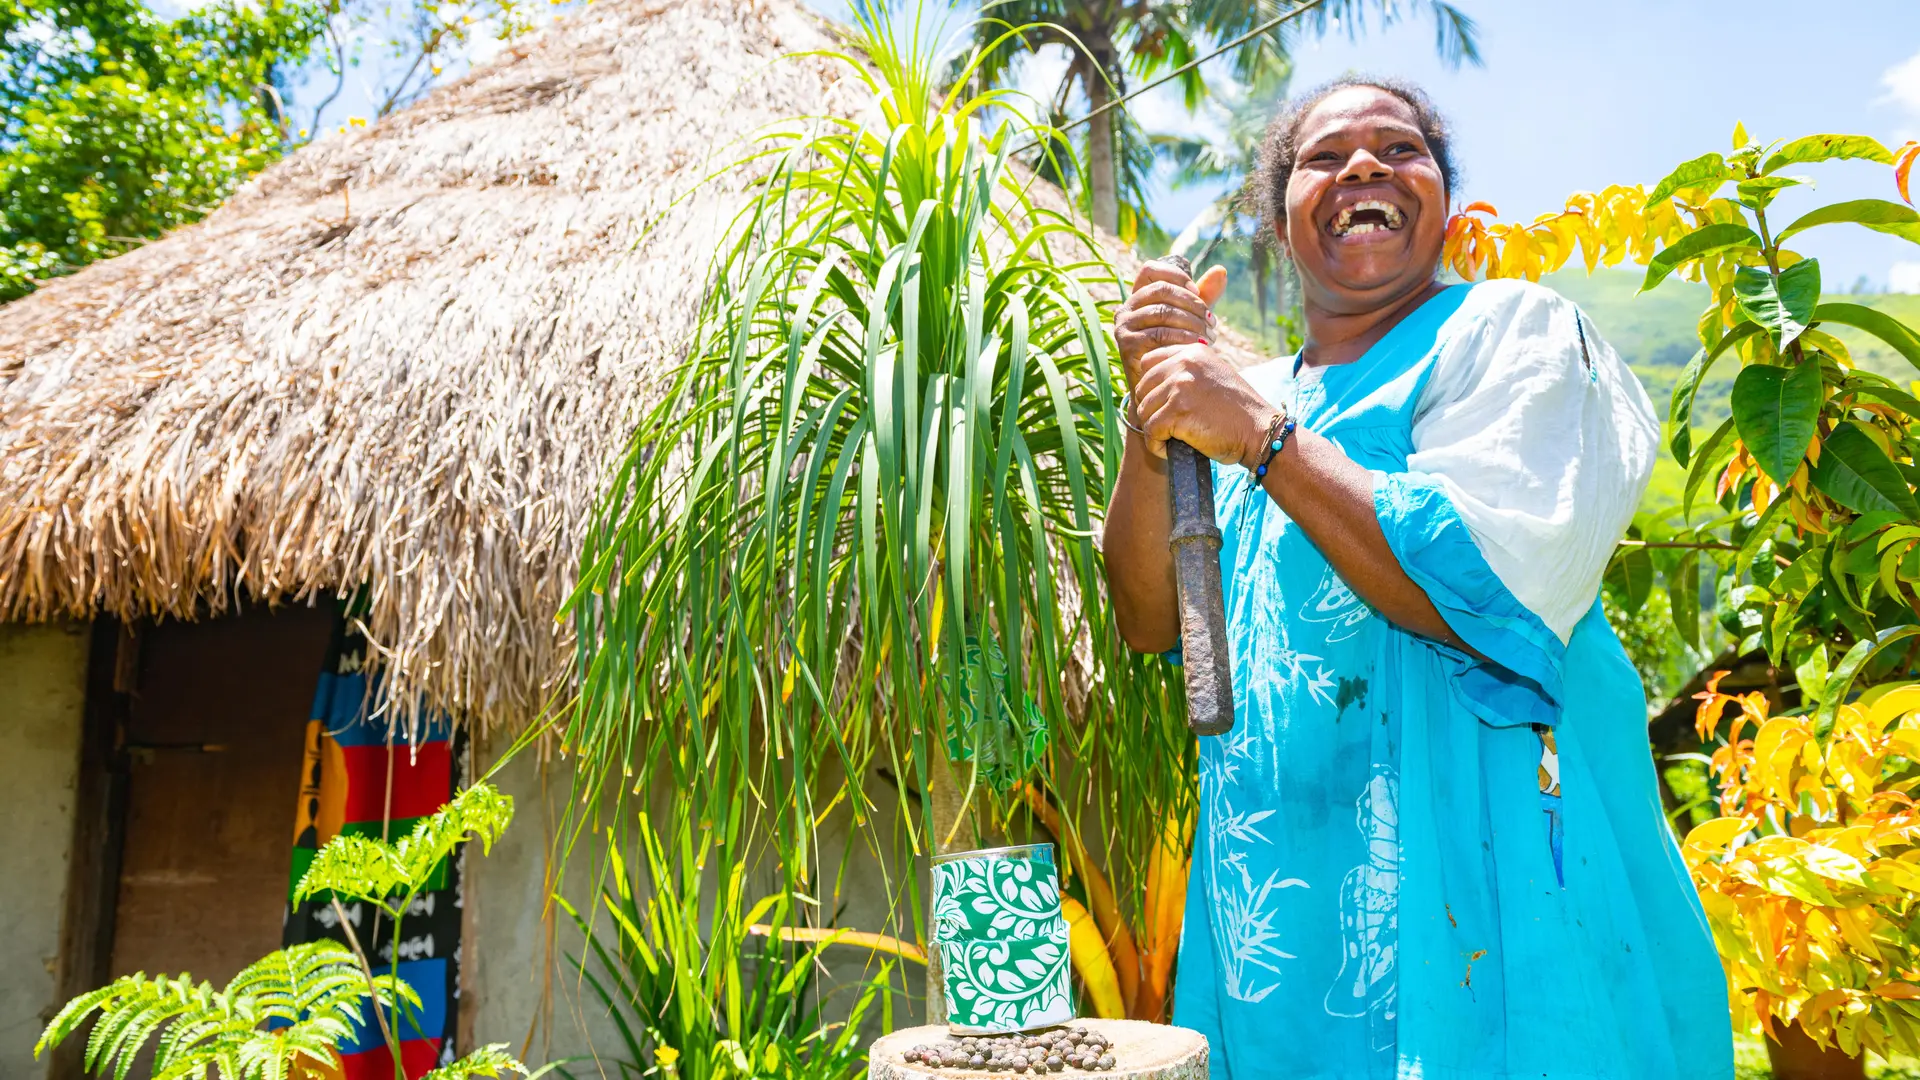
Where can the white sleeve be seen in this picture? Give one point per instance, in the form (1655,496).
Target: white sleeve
(1542,438)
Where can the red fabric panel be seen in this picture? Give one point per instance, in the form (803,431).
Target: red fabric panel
(421,779)
(418,1055)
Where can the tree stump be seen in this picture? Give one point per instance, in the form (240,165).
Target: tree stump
(1141,1051)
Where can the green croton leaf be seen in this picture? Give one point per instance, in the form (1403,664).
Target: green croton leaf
(1864,650)
(1775,410)
(1680,415)
(1859,475)
(1827,148)
(1630,578)
(1713,454)
(1703,171)
(1877,214)
(1683,597)
(1873,388)
(1878,323)
(1696,244)
(1784,307)
(1759,191)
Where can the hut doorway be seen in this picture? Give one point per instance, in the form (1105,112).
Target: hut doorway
(212,719)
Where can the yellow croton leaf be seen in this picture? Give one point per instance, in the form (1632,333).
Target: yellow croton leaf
(1899,702)
(1905,742)
(1857,927)
(1781,744)
(1712,837)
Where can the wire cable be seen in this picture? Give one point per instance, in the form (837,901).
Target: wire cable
(1285,16)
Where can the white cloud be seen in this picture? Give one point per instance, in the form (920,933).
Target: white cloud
(1902,81)
(1902,84)
(1904,277)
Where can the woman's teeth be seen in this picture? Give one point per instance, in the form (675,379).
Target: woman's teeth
(1376,216)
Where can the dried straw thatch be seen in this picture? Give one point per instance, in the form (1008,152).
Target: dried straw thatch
(404,358)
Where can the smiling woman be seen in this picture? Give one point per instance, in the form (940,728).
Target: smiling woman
(1415,512)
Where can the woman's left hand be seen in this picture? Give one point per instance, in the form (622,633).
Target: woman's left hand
(1191,393)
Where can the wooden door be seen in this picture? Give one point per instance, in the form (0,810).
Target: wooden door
(214,731)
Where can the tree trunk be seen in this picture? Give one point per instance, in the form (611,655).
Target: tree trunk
(945,808)
(955,828)
(1102,167)
(1259,261)
(1797,1057)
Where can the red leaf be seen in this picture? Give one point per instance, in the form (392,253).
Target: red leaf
(1903,166)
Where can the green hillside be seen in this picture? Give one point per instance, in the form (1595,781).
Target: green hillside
(1654,333)
(1871,354)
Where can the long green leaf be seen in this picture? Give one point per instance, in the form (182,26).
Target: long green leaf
(1701,242)
(1840,683)
(1706,171)
(1775,410)
(1878,323)
(1680,414)
(1708,461)
(1879,215)
(1814,148)
(1859,475)
(1783,305)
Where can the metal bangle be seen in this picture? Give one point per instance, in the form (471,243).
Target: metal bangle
(1126,416)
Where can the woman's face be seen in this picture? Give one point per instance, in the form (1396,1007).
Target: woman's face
(1366,204)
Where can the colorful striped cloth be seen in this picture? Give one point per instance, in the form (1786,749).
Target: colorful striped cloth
(359,778)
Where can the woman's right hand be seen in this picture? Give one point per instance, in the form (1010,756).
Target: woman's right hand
(1166,308)
(1166,312)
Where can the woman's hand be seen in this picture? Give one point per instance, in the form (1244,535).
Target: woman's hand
(1191,393)
(1183,388)
(1166,311)
(1166,308)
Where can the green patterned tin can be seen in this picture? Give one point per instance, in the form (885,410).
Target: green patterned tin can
(1002,941)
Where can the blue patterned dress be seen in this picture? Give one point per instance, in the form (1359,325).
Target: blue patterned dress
(1410,863)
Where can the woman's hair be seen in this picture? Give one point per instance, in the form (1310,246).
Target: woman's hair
(1282,142)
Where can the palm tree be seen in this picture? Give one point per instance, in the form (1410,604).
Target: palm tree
(1110,40)
(1231,162)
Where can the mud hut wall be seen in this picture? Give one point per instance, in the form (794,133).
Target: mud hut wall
(43,679)
(517,979)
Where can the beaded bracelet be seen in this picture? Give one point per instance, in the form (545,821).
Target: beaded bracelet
(1277,433)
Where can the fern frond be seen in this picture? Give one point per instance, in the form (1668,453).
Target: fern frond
(353,868)
(142,1007)
(364,868)
(313,991)
(480,812)
(70,1017)
(489,1060)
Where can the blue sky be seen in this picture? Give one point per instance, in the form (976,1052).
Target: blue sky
(1579,95)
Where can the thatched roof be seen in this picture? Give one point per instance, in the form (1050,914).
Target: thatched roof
(405,357)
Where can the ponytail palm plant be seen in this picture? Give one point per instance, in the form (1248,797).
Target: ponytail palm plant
(857,538)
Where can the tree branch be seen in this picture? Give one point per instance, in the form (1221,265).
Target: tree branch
(340,80)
